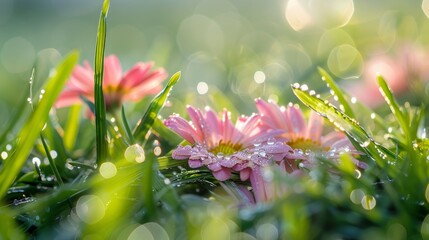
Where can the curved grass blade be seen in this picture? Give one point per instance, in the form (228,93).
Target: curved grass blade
(394,107)
(126,125)
(337,91)
(51,161)
(35,123)
(155,106)
(347,125)
(100,107)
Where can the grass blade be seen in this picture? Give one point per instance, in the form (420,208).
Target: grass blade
(127,126)
(51,161)
(35,123)
(337,91)
(100,106)
(394,107)
(347,125)
(155,106)
(72,127)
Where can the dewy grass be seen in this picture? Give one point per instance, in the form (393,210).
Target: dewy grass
(156,196)
(31,129)
(100,106)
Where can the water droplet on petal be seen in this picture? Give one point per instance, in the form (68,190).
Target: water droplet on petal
(271,141)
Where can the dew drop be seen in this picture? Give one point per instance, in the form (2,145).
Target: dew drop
(366,143)
(312,92)
(4,155)
(54,154)
(353,100)
(296,85)
(167,181)
(8,147)
(304,87)
(358,174)
(372,115)
(271,141)
(36,161)
(220,155)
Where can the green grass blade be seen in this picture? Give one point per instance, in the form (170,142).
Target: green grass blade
(127,126)
(155,106)
(35,123)
(345,124)
(394,107)
(337,91)
(51,161)
(100,107)
(72,127)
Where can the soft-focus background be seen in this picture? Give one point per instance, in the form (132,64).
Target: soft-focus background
(236,50)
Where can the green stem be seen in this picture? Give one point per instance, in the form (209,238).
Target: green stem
(51,162)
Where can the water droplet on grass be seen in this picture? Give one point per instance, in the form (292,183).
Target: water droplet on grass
(4,155)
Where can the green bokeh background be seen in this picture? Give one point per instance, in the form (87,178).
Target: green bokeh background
(221,43)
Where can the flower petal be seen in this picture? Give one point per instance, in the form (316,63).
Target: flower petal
(112,71)
(223,174)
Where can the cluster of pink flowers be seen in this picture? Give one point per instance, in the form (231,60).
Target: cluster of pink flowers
(277,136)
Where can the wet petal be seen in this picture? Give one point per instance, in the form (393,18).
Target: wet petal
(222,174)
(182,152)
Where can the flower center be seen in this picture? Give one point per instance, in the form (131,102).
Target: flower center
(307,144)
(226,148)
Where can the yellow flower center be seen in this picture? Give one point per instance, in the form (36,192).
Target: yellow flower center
(226,148)
(307,144)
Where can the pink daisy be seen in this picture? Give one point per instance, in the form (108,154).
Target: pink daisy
(135,84)
(305,139)
(222,147)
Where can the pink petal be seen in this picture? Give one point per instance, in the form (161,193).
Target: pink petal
(195,163)
(182,127)
(258,185)
(150,85)
(245,174)
(215,166)
(198,122)
(68,98)
(223,174)
(315,127)
(83,79)
(112,71)
(136,75)
(332,137)
(296,120)
(213,129)
(182,152)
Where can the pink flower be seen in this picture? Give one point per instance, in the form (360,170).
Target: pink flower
(306,139)
(408,65)
(135,84)
(223,147)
